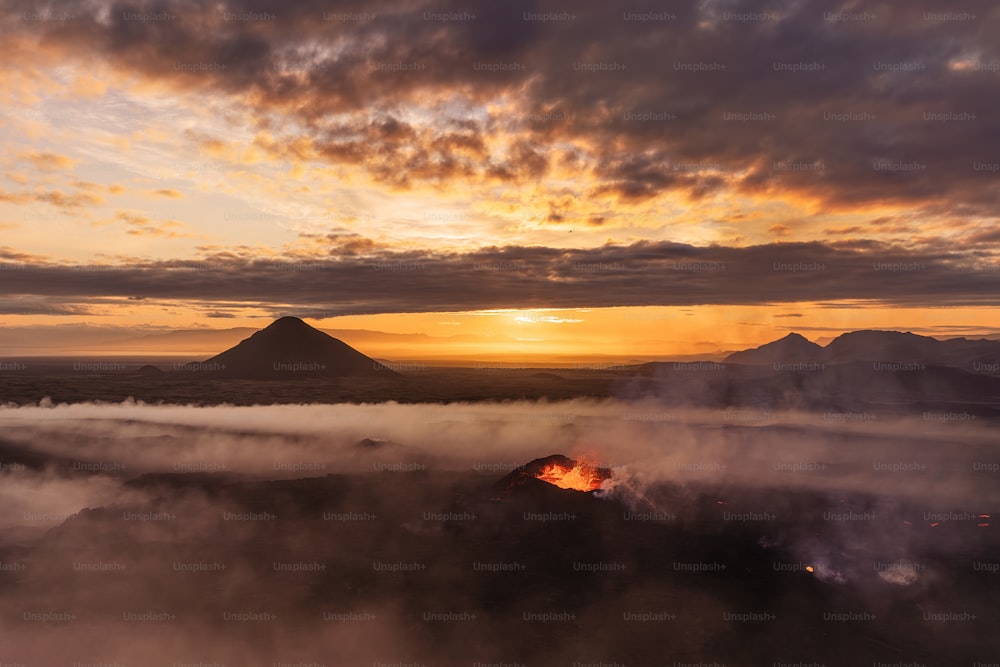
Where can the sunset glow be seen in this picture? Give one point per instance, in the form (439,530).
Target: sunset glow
(323,166)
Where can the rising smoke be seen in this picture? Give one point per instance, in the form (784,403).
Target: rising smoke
(74,474)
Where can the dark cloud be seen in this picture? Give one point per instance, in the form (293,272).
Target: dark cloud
(849,105)
(31,306)
(989,236)
(363,279)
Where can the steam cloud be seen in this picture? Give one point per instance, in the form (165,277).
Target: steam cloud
(61,460)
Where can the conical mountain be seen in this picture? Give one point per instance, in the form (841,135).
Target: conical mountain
(287,349)
(793,348)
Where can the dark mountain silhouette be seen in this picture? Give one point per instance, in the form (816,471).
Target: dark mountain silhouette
(861,370)
(793,348)
(900,347)
(880,345)
(896,347)
(547,376)
(288,349)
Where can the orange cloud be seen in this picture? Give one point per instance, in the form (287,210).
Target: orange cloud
(53,197)
(852,229)
(166,192)
(47,161)
(141,225)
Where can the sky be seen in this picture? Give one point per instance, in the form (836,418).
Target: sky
(537,178)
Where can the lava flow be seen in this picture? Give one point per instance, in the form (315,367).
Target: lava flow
(576,475)
(559,471)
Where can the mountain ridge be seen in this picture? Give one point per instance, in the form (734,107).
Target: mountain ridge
(876,345)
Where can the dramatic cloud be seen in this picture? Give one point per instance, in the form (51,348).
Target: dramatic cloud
(412,156)
(367,280)
(837,105)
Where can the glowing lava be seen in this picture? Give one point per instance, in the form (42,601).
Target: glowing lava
(580,476)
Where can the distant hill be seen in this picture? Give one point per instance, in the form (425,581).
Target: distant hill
(288,349)
(793,348)
(191,341)
(857,371)
(895,346)
(975,356)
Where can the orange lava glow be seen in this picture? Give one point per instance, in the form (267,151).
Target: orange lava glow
(580,477)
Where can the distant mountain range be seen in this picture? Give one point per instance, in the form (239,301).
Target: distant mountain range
(862,373)
(888,347)
(857,374)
